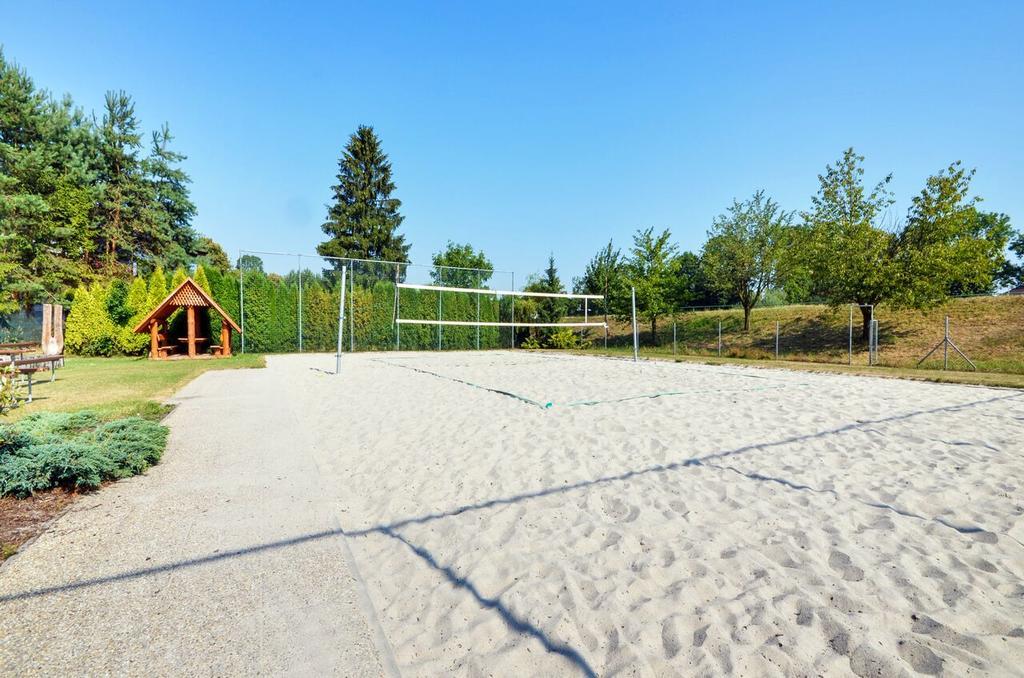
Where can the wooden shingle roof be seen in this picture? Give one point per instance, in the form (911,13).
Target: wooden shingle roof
(187,293)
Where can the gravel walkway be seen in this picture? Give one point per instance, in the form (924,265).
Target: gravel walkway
(224,559)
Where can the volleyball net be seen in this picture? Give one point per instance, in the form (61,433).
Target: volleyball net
(290,303)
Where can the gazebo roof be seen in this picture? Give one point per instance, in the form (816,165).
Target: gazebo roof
(187,293)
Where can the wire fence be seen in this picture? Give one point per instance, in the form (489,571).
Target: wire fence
(987,332)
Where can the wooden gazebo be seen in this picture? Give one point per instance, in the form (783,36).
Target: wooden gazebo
(197,304)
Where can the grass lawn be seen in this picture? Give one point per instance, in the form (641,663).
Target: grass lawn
(121,387)
(990,330)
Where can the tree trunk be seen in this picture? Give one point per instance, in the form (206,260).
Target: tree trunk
(654,331)
(866,314)
(746,318)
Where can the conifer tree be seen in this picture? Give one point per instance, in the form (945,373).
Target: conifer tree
(201,279)
(363,220)
(173,210)
(157,288)
(128,230)
(177,278)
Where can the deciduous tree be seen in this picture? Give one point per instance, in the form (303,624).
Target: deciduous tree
(743,254)
(649,271)
(466,267)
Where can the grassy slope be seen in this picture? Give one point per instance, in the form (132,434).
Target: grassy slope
(990,330)
(119,387)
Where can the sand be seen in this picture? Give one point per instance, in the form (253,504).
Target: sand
(756,522)
(514,514)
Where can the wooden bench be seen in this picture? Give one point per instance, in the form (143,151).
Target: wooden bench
(29,366)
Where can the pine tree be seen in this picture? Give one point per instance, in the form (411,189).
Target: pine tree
(45,192)
(129,230)
(173,210)
(363,221)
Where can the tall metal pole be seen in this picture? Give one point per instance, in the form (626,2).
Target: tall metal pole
(351,312)
(478,312)
(851,334)
(636,339)
(241,296)
(513,310)
(300,302)
(341,322)
(398,308)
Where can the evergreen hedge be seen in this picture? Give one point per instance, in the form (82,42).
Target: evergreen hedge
(102,316)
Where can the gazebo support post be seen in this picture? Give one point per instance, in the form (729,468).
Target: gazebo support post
(191,311)
(154,340)
(225,339)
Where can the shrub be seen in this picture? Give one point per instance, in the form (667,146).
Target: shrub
(90,331)
(9,390)
(564,338)
(530,342)
(75,450)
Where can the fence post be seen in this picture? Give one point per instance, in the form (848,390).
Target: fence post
(673,339)
(636,340)
(299,256)
(719,338)
(945,346)
(776,339)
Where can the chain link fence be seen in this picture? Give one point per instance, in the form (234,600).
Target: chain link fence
(290,303)
(988,330)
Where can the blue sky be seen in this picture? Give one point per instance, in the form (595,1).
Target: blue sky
(528,128)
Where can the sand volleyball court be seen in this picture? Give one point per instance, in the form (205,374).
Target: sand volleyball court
(523,514)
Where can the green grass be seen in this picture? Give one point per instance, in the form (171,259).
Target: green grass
(990,330)
(121,387)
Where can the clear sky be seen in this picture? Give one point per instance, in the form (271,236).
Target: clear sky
(528,128)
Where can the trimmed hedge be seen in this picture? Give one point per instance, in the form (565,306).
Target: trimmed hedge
(102,316)
(75,450)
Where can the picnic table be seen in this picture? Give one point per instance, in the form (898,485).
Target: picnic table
(17,348)
(27,367)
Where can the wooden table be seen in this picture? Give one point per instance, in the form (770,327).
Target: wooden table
(29,366)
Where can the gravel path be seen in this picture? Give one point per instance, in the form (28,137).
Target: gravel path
(222,560)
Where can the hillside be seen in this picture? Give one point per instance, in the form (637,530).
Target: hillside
(990,330)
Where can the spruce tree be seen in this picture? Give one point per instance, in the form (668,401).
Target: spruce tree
(363,220)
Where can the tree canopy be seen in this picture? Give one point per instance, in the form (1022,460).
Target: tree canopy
(79,199)
(649,270)
(464,266)
(743,254)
